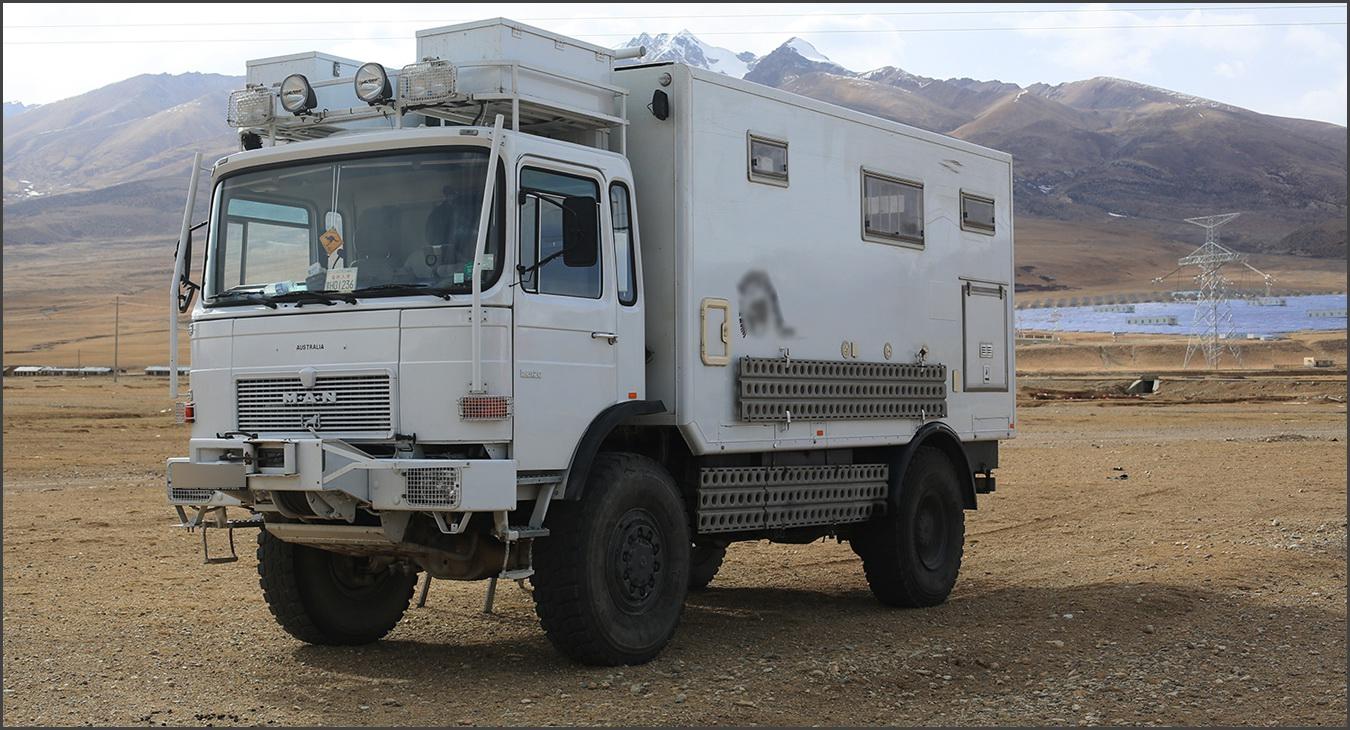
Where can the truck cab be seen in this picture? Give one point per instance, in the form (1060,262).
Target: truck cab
(425,334)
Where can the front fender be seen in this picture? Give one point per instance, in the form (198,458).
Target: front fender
(596,433)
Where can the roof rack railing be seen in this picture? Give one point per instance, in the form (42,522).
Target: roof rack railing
(503,92)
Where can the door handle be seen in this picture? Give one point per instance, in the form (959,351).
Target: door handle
(605,336)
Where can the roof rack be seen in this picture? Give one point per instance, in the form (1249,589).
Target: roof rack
(482,90)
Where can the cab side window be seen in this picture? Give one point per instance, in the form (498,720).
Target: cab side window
(624,258)
(547,199)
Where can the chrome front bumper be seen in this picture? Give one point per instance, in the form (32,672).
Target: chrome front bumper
(226,473)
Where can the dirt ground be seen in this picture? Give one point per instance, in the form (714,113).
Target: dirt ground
(1175,559)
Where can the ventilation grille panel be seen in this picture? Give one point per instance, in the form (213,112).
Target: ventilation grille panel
(336,404)
(432,486)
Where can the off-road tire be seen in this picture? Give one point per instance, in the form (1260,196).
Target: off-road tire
(305,596)
(611,577)
(912,554)
(704,562)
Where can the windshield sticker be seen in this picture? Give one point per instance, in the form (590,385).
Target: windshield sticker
(332,243)
(487,261)
(340,279)
(331,240)
(459,278)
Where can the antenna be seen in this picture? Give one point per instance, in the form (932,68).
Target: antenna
(1212,321)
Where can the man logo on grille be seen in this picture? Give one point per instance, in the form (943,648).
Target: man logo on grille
(309,398)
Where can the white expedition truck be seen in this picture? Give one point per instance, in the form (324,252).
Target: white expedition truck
(514,312)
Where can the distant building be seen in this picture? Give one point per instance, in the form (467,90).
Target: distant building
(163,370)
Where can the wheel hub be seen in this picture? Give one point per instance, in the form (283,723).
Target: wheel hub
(636,559)
(356,577)
(930,532)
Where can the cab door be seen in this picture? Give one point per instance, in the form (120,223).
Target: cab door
(565,321)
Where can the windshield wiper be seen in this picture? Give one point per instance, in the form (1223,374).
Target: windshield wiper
(322,297)
(241,297)
(393,290)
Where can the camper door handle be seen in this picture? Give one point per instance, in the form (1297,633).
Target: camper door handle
(605,336)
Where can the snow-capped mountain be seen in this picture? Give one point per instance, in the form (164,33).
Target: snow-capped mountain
(794,58)
(685,47)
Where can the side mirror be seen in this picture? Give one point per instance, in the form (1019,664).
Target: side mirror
(581,231)
(187,288)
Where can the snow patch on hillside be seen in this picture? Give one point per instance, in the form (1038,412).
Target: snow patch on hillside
(807,51)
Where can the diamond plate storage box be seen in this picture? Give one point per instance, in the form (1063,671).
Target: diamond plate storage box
(485,52)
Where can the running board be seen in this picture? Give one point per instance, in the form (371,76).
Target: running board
(734,499)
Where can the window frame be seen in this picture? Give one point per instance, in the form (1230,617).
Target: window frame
(218,195)
(311,227)
(523,193)
(992,229)
(891,239)
(632,243)
(766,178)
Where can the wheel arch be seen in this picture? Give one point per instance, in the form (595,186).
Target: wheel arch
(596,433)
(941,437)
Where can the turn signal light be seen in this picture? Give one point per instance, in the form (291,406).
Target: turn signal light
(185,412)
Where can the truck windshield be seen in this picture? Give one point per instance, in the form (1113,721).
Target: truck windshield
(372,225)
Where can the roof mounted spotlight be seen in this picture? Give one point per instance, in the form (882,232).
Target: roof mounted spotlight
(249,107)
(372,84)
(297,96)
(429,82)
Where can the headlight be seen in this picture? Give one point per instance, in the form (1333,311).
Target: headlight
(297,96)
(251,107)
(428,82)
(372,84)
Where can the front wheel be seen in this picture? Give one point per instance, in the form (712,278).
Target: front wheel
(321,597)
(912,554)
(610,579)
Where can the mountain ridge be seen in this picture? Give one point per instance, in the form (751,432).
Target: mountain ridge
(1101,150)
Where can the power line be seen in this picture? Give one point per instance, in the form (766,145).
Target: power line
(1018,11)
(710,33)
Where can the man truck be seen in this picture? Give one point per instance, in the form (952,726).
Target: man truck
(531,309)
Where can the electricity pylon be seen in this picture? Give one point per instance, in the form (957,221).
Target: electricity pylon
(1212,322)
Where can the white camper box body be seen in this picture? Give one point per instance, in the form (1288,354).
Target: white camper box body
(705,225)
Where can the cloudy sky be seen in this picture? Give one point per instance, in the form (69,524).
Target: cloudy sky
(1288,60)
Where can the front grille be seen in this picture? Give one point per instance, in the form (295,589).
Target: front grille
(432,486)
(191,495)
(336,403)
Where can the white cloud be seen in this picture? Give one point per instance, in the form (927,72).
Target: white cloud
(1327,104)
(1103,41)
(1316,42)
(1231,69)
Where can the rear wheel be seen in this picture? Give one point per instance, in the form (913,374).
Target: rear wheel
(610,579)
(322,597)
(704,562)
(912,555)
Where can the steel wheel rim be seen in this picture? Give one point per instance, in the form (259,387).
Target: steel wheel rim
(930,531)
(636,561)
